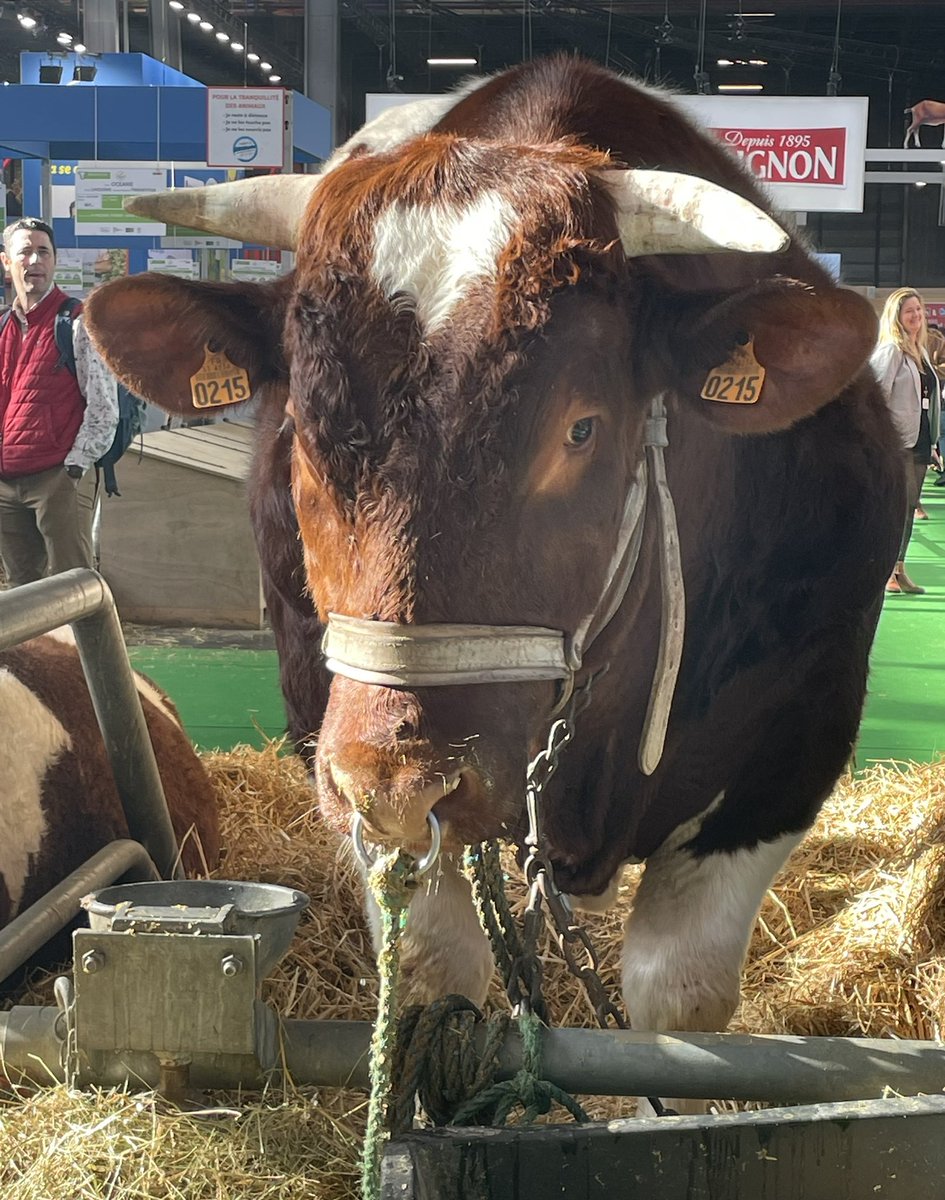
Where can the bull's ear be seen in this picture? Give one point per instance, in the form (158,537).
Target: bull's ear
(810,344)
(154,330)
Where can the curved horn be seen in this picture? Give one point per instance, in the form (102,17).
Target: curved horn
(663,212)
(264,210)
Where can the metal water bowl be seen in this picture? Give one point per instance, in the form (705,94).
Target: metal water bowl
(266,911)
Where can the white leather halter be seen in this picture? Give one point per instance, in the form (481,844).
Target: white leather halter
(438,655)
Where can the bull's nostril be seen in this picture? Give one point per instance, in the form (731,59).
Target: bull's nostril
(407,730)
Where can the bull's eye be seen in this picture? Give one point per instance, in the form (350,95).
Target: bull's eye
(580,432)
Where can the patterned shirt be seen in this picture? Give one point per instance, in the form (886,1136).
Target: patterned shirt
(100,392)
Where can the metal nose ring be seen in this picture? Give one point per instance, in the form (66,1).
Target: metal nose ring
(367,859)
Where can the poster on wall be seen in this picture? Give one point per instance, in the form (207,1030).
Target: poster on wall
(100,192)
(69,272)
(245,127)
(809,151)
(254,270)
(78,271)
(179,263)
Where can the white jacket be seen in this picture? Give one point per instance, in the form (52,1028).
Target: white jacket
(901,384)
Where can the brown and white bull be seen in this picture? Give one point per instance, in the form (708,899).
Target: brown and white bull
(493,298)
(57,795)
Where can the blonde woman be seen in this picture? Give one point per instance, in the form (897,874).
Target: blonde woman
(911,388)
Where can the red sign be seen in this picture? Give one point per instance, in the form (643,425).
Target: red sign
(791,155)
(935,313)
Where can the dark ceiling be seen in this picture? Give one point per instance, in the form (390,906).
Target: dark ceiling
(894,53)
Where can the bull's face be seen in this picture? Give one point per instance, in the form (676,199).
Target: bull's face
(469,356)
(472,502)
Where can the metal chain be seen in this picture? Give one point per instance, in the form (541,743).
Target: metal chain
(573,940)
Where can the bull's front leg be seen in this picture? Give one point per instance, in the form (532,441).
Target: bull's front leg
(685,940)
(444,949)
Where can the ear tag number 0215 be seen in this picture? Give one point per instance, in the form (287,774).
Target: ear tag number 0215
(219,381)
(739,380)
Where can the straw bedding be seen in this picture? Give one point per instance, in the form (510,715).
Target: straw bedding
(851,941)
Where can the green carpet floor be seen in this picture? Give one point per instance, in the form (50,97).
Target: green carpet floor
(905,711)
(231,695)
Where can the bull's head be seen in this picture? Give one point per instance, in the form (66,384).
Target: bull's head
(469,347)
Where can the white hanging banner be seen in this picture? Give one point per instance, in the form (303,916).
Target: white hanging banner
(245,127)
(809,151)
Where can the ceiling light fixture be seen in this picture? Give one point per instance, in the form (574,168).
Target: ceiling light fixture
(221,36)
(26,21)
(275,78)
(725,62)
(177,5)
(452,62)
(264,66)
(64,39)
(193,17)
(206,26)
(79,47)
(237,46)
(253,58)
(741,87)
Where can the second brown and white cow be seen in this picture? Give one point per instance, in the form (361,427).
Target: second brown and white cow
(58,800)
(459,475)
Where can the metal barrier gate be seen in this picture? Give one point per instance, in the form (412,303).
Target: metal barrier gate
(83,599)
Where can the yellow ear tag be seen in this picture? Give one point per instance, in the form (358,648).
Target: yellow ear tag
(737,381)
(219,381)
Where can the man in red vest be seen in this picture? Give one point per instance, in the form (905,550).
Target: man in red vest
(53,424)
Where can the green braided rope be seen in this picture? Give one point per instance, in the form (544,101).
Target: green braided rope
(389,880)
(526,1088)
(483,869)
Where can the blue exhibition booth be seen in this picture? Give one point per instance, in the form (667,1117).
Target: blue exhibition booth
(136,111)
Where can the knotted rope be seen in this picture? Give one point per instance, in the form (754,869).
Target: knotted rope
(438,1064)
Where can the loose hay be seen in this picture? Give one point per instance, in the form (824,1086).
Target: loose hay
(851,941)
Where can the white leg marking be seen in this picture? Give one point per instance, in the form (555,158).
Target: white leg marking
(686,939)
(444,949)
(33,741)
(435,254)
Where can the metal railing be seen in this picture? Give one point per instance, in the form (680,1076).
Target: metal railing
(83,599)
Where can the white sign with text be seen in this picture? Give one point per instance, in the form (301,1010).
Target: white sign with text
(245,127)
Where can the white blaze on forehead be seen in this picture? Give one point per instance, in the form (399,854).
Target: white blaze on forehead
(435,255)
(33,742)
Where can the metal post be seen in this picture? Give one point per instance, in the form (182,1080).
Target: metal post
(164,33)
(100,26)
(33,928)
(618,1062)
(322,54)
(786,1070)
(83,598)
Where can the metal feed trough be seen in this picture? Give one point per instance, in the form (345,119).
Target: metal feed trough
(166,994)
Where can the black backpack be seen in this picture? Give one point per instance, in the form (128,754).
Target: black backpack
(130,407)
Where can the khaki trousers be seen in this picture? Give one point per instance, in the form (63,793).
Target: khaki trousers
(45,524)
